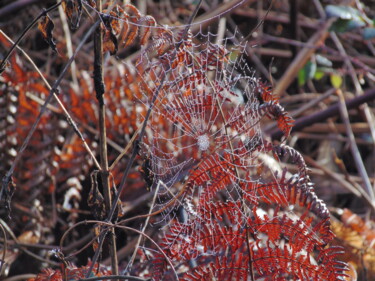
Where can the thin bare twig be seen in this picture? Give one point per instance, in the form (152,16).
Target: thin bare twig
(131,261)
(69,46)
(207,18)
(54,89)
(51,107)
(126,149)
(354,148)
(331,111)
(301,59)
(26,30)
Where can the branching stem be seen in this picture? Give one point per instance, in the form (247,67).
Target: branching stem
(141,135)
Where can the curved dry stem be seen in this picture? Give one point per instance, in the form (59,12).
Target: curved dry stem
(65,111)
(4,249)
(43,13)
(68,231)
(117,225)
(83,248)
(54,89)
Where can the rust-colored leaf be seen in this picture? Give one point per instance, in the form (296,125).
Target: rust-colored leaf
(147,23)
(110,42)
(46,26)
(73,10)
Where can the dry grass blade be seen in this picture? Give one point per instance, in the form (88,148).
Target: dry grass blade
(354,148)
(302,57)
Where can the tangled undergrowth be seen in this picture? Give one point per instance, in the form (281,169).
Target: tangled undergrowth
(163,155)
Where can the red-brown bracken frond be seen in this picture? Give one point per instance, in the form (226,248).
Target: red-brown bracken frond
(146,22)
(276,111)
(283,263)
(72,273)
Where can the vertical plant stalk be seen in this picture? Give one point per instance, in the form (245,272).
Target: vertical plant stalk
(139,139)
(104,173)
(354,148)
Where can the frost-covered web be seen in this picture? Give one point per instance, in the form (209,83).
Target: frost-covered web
(206,109)
(203,146)
(206,105)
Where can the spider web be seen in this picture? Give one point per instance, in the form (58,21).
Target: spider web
(203,145)
(206,106)
(207,103)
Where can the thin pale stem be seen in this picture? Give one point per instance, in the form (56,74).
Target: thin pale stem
(141,134)
(100,90)
(354,148)
(57,99)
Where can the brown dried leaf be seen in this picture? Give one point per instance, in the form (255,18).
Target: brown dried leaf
(146,22)
(29,237)
(73,10)
(110,42)
(133,17)
(46,26)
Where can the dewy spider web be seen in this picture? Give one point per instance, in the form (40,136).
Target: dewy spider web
(204,149)
(204,140)
(206,109)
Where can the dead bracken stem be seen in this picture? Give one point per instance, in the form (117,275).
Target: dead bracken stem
(104,173)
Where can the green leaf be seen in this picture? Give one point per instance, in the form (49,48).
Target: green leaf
(306,73)
(319,75)
(342,12)
(336,80)
(342,25)
(301,77)
(323,61)
(368,33)
(348,18)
